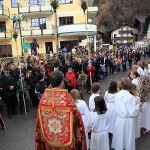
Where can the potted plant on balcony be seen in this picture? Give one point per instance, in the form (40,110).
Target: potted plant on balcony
(84,5)
(55,5)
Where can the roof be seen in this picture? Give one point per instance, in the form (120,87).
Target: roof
(141,19)
(117,27)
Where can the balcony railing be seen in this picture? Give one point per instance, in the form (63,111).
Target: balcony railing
(37,31)
(5,33)
(4,12)
(125,32)
(123,38)
(28,8)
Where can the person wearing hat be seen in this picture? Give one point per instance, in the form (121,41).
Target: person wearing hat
(9,92)
(40,86)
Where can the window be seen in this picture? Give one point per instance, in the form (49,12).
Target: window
(2,26)
(65,1)
(65,20)
(1,4)
(38,22)
(5,51)
(14,3)
(37,2)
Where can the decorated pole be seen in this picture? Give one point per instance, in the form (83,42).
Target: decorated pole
(84,8)
(15,32)
(55,5)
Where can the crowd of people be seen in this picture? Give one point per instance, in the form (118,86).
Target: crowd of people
(124,105)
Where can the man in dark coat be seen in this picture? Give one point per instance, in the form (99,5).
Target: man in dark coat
(9,92)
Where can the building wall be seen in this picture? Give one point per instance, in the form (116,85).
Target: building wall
(73,9)
(148,32)
(119,35)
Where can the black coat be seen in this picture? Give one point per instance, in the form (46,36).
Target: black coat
(6,82)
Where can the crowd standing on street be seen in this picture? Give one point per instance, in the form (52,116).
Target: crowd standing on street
(123,112)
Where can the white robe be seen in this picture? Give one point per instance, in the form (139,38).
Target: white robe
(91,101)
(124,131)
(109,101)
(145,116)
(98,124)
(137,83)
(140,71)
(137,120)
(83,109)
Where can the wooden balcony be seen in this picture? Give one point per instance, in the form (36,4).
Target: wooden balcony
(4,12)
(37,31)
(28,9)
(5,34)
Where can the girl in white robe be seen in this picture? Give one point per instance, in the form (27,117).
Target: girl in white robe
(98,124)
(109,101)
(83,109)
(145,96)
(126,109)
(137,118)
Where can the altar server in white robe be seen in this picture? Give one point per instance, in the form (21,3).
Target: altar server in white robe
(139,69)
(135,79)
(97,125)
(137,119)
(145,96)
(83,109)
(95,92)
(109,101)
(126,109)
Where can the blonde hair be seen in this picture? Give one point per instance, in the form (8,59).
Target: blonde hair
(75,94)
(140,64)
(144,86)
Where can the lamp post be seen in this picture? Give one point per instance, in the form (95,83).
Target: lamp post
(15,33)
(18,18)
(84,8)
(54,4)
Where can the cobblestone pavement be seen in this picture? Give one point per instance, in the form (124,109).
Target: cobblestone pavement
(20,135)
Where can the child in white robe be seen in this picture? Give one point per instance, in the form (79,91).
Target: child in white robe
(137,118)
(95,92)
(145,97)
(97,124)
(109,101)
(83,109)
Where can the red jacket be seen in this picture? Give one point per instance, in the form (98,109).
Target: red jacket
(72,77)
(91,69)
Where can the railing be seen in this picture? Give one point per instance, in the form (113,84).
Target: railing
(123,38)
(40,6)
(28,31)
(5,60)
(5,33)
(4,11)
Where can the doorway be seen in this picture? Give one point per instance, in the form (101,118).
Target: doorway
(5,51)
(49,47)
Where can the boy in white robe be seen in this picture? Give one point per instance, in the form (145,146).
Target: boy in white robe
(95,92)
(97,124)
(126,109)
(83,109)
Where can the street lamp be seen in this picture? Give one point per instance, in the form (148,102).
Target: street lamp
(17,20)
(55,5)
(15,32)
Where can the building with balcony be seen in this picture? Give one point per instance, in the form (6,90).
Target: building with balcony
(40,23)
(122,35)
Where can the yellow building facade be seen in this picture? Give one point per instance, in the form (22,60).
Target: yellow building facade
(40,23)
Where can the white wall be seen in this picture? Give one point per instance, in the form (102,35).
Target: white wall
(119,35)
